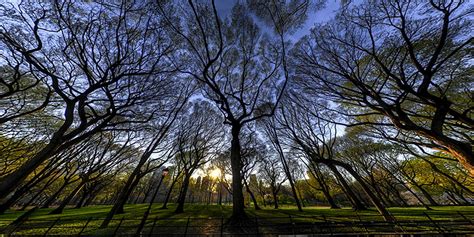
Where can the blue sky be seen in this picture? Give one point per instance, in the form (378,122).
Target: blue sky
(328,12)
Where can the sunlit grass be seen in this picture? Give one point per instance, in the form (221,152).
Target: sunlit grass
(73,220)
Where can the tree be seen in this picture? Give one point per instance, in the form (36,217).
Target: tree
(105,152)
(239,69)
(401,67)
(271,172)
(253,153)
(271,132)
(156,140)
(316,139)
(105,60)
(198,141)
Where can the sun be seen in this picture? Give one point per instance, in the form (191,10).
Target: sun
(215,173)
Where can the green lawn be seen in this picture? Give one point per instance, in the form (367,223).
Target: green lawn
(210,216)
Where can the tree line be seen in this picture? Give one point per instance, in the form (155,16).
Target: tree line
(370,109)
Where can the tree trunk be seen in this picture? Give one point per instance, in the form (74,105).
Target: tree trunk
(16,195)
(357,204)
(148,190)
(55,195)
(81,200)
(453,198)
(168,194)
(275,199)
(426,194)
(25,188)
(410,190)
(63,204)
(90,199)
(293,190)
(324,187)
(182,195)
(219,198)
(380,208)
(460,150)
(252,196)
(14,179)
(290,179)
(119,203)
(238,212)
(48,183)
(302,200)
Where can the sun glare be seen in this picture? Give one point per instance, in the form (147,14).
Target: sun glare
(215,173)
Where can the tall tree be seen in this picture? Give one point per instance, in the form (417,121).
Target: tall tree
(100,63)
(198,140)
(316,137)
(271,172)
(399,66)
(239,69)
(271,131)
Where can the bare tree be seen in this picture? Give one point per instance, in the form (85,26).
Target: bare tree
(271,131)
(271,172)
(198,140)
(316,139)
(401,67)
(239,68)
(106,150)
(156,140)
(100,60)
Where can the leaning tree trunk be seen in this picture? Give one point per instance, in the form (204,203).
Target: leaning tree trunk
(82,199)
(252,196)
(380,208)
(324,187)
(238,207)
(63,204)
(48,183)
(55,195)
(25,188)
(182,195)
(328,197)
(290,179)
(425,193)
(119,203)
(13,180)
(168,194)
(357,204)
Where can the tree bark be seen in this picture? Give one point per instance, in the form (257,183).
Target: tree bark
(252,196)
(275,200)
(168,194)
(182,195)
(357,204)
(380,208)
(238,208)
(13,180)
(64,203)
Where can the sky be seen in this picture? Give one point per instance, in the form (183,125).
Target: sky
(328,12)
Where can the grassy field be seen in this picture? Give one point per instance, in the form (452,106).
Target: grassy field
(73,220)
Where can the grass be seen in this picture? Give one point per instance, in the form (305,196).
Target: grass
(209,216)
